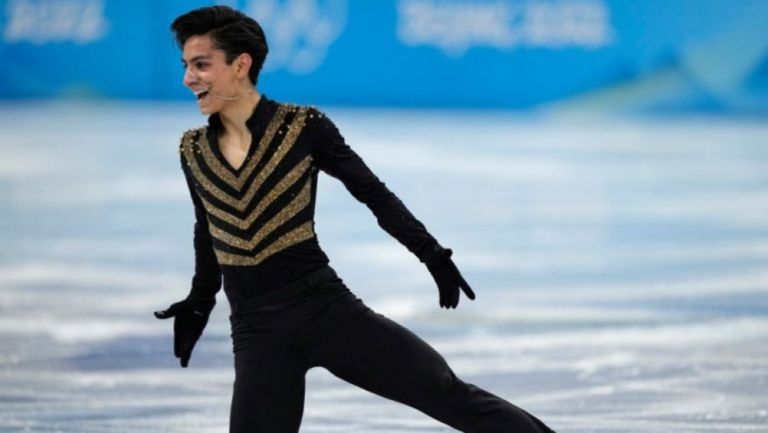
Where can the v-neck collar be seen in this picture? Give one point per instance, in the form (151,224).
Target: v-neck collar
(256,124)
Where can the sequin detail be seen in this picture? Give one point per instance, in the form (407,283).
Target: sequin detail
(293,237)
(289,179)
(188,149)
(294,207)
(237,181)
(210,175)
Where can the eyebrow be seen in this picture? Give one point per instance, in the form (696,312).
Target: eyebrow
(193,59)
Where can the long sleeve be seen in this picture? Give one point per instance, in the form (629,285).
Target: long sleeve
(207,279)
(335,157)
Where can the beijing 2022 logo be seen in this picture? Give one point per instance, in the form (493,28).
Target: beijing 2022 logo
(299,32)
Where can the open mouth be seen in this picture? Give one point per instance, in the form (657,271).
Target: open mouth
(202,94)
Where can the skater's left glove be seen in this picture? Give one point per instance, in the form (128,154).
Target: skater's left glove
(447,276)
(188,324)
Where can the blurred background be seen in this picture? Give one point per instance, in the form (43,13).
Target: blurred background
(651,55)
(599,167)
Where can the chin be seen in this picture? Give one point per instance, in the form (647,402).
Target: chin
(208,110)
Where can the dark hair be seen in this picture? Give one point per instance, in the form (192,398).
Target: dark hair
(231,31)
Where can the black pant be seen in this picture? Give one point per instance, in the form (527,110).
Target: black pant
(318,322)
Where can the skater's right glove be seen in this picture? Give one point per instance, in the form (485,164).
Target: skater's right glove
(447,276)
(188,324)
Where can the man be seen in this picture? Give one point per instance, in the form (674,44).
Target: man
(252,175)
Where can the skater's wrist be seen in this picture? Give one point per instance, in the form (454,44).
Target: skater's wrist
(432,254)
(200,303)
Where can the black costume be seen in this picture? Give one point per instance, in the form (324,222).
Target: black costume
(290,312)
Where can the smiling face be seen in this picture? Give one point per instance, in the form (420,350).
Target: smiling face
(209,76)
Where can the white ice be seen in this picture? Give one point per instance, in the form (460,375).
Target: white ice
(620,266)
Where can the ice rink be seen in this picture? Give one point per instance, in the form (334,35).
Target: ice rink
(621,267)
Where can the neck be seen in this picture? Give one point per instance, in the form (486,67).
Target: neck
(237,112)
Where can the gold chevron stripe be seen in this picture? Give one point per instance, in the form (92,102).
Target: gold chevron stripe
(299,234)
(243,224)
(290,139)
(294,207)
(225,174)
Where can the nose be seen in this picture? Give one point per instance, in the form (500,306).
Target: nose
(189,77)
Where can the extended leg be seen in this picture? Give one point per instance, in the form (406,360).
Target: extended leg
(375,353)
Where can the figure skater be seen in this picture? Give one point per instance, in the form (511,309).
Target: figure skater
(252,174)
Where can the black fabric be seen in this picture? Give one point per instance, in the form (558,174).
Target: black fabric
(207,278)
(188,325)
(291,312)
(447,277)
(324,325)
(321,139)
(289,294)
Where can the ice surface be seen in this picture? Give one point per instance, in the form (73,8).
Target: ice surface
(620,266)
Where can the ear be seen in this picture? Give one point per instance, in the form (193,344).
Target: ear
(243,64)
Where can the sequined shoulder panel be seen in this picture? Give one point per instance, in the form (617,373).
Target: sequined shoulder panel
(262,209)
(190,137)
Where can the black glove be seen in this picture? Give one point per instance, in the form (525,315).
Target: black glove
(447,277)
(188,326)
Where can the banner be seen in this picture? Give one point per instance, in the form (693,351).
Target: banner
(650,54)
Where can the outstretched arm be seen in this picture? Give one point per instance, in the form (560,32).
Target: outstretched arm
(335,157)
